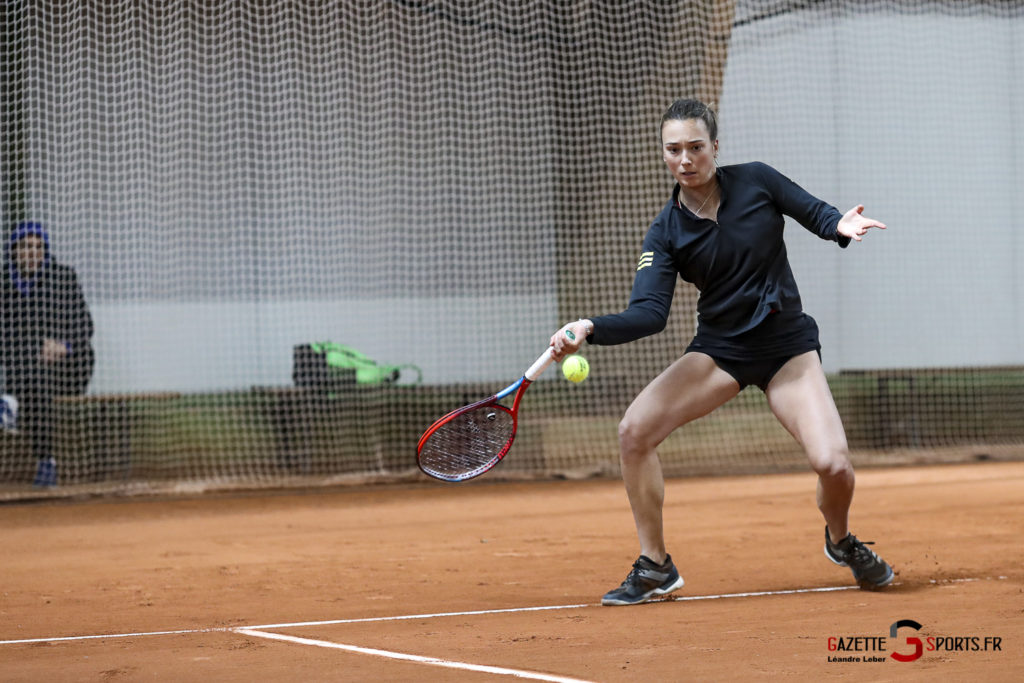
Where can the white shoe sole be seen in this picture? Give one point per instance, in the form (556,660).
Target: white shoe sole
(649,596)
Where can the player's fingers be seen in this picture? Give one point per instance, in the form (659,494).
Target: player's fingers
(560,354)
(564,346)
(871,223)
(561,345)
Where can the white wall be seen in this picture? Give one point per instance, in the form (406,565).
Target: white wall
(230,185)
(918,118)
(218,220)
(202,346)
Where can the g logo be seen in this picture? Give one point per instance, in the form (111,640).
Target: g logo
(916,642)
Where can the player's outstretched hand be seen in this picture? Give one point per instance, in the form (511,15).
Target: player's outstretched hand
(854,225)
(568,339)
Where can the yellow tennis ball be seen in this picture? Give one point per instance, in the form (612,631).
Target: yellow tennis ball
(575,368)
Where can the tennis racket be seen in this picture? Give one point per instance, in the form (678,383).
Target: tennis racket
(469,441)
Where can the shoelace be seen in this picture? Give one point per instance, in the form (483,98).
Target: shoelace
(861,554)
(633,573)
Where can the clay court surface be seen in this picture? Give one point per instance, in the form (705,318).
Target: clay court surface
(356,581)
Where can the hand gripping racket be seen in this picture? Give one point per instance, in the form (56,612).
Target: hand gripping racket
(469,441)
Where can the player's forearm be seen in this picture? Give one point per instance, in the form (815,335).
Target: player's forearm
(634,323)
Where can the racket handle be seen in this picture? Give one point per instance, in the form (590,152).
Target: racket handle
(540,365)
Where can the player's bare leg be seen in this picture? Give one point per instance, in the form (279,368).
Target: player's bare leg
(800,398)
(691,387)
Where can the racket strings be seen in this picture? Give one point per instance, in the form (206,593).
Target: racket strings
(467,442)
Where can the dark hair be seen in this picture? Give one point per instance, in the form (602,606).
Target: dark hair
(684,109)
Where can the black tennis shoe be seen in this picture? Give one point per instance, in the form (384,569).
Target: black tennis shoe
(869,570)
(645,582)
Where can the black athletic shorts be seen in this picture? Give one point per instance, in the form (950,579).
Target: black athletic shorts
(756,355)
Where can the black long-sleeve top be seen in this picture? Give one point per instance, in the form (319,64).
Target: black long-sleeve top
(739,263)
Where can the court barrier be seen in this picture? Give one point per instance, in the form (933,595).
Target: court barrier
(286,436)
(233,180)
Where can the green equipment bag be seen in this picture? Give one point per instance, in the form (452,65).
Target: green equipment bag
(326,365)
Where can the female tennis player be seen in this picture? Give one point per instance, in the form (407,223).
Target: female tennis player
(722,231)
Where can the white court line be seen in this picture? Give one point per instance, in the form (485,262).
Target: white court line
(433,661)
(113,635)
(423,616)
(437,615)
(682,598)
(530,609)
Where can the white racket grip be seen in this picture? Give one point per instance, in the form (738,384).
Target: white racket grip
(540,365)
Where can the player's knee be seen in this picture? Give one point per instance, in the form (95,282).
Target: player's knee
(632,442)
(833,464)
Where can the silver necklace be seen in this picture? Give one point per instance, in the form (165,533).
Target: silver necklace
(703,204)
